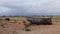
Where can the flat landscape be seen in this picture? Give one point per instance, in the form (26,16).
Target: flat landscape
(14,26)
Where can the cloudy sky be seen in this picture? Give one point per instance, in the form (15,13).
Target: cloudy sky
(29,7)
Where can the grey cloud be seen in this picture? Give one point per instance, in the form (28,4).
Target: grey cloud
(32,7)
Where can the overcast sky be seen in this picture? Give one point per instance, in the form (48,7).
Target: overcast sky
(29,7)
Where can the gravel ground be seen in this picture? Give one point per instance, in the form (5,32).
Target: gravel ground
(35,29)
